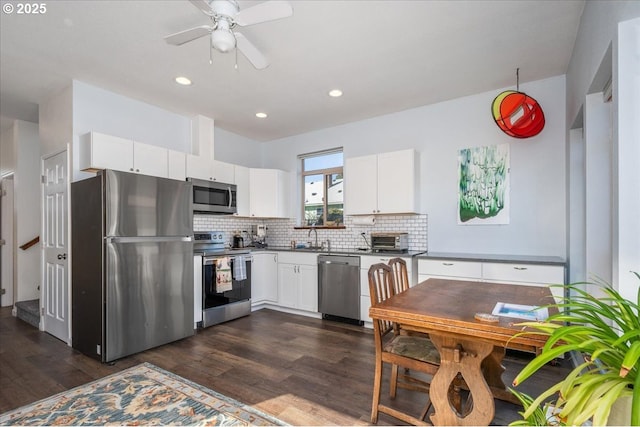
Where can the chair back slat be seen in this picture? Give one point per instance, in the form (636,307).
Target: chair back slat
(381,287)
(400,274)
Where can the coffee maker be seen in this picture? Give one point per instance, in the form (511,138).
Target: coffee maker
(259,235)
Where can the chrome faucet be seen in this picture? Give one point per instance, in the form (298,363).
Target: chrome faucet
(309,235)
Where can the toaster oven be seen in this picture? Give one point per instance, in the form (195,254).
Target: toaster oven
(388,241)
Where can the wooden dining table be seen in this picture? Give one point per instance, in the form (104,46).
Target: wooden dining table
(469,348)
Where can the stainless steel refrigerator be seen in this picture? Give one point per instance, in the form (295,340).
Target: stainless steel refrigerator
(131,263)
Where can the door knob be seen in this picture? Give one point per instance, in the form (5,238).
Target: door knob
(62,256)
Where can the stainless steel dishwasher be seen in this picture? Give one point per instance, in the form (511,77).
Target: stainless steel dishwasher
(339,287)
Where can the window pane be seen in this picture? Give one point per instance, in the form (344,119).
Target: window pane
(314,200)
(335,199)
(325,161)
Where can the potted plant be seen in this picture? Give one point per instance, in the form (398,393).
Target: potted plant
(606,331)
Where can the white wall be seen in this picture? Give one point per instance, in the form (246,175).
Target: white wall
(598,27)
(56,122)
(236,149)
(600,33)
(626,225)
(27,206)
(98,110)
(7,152)
(437,132)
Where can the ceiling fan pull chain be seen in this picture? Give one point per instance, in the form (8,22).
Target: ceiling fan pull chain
(236,52)
(210,51)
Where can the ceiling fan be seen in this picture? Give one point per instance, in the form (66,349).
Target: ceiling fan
(225,15)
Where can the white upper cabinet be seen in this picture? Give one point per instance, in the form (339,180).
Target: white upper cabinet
(268,195)
(242,194)
(361,177)
(100,151)
(384,183)
(150,160)
(223,172)
(199,167)
(397,182)
(177,165)
(202,167)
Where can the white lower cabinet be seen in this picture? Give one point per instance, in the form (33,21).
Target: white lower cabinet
(527,275)
(298,281)
(524,273)
(366,261)
(264,278)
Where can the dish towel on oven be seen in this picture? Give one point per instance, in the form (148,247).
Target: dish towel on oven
(239,268)
(223,275)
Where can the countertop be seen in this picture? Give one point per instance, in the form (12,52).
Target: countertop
(515,259)
(336,251)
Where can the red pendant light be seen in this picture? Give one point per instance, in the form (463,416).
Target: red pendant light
(517,114)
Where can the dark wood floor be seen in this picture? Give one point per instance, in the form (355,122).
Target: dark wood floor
(303,371)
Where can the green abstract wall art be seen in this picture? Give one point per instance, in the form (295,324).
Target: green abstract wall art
(483,190)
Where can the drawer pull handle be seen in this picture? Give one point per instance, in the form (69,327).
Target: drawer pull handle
(520,268)
(447,264)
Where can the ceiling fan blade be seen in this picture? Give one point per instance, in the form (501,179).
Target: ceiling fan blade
(267,11)
(185,36)
(203,5)
(251,52)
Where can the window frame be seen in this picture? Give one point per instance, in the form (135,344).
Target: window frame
(325,182)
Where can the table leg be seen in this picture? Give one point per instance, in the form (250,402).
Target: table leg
(493,369)
(461,356)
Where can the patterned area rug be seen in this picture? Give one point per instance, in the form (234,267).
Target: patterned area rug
(141,395)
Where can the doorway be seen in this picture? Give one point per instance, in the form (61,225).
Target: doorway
(6,241)
(55,246)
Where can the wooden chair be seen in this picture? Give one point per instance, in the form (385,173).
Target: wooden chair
(400,274)
(413,352)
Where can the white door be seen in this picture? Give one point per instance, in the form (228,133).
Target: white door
(55,245)
(6,241)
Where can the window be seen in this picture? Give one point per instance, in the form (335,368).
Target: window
(322,184)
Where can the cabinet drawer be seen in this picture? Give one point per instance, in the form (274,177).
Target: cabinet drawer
(367,261)
(531,273)
(440,267)
(297,258)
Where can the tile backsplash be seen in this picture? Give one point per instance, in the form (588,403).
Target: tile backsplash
(280,232)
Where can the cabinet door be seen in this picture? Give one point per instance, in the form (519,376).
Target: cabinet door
(199,167)
(177,165)
(223,172)
(288,285)
(271,282)
(264,277)
(99,151)
(150,160)
(449,269)
(397,182)
(308,287)
(242,183)
(361,193)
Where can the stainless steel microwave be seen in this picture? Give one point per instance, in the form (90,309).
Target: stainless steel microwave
(214,197)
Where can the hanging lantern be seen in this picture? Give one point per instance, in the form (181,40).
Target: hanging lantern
(517,114)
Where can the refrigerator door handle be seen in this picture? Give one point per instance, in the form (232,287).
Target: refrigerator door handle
(112,239)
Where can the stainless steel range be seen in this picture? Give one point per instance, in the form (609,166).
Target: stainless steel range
(225,276)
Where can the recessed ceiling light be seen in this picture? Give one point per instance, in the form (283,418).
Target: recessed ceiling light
(181,80)
(261,115)
(335,93)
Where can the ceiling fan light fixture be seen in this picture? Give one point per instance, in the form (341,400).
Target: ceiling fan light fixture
(223,40)
(335,93)
(261,115)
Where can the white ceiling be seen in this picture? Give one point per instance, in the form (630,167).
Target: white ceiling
(386,56)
